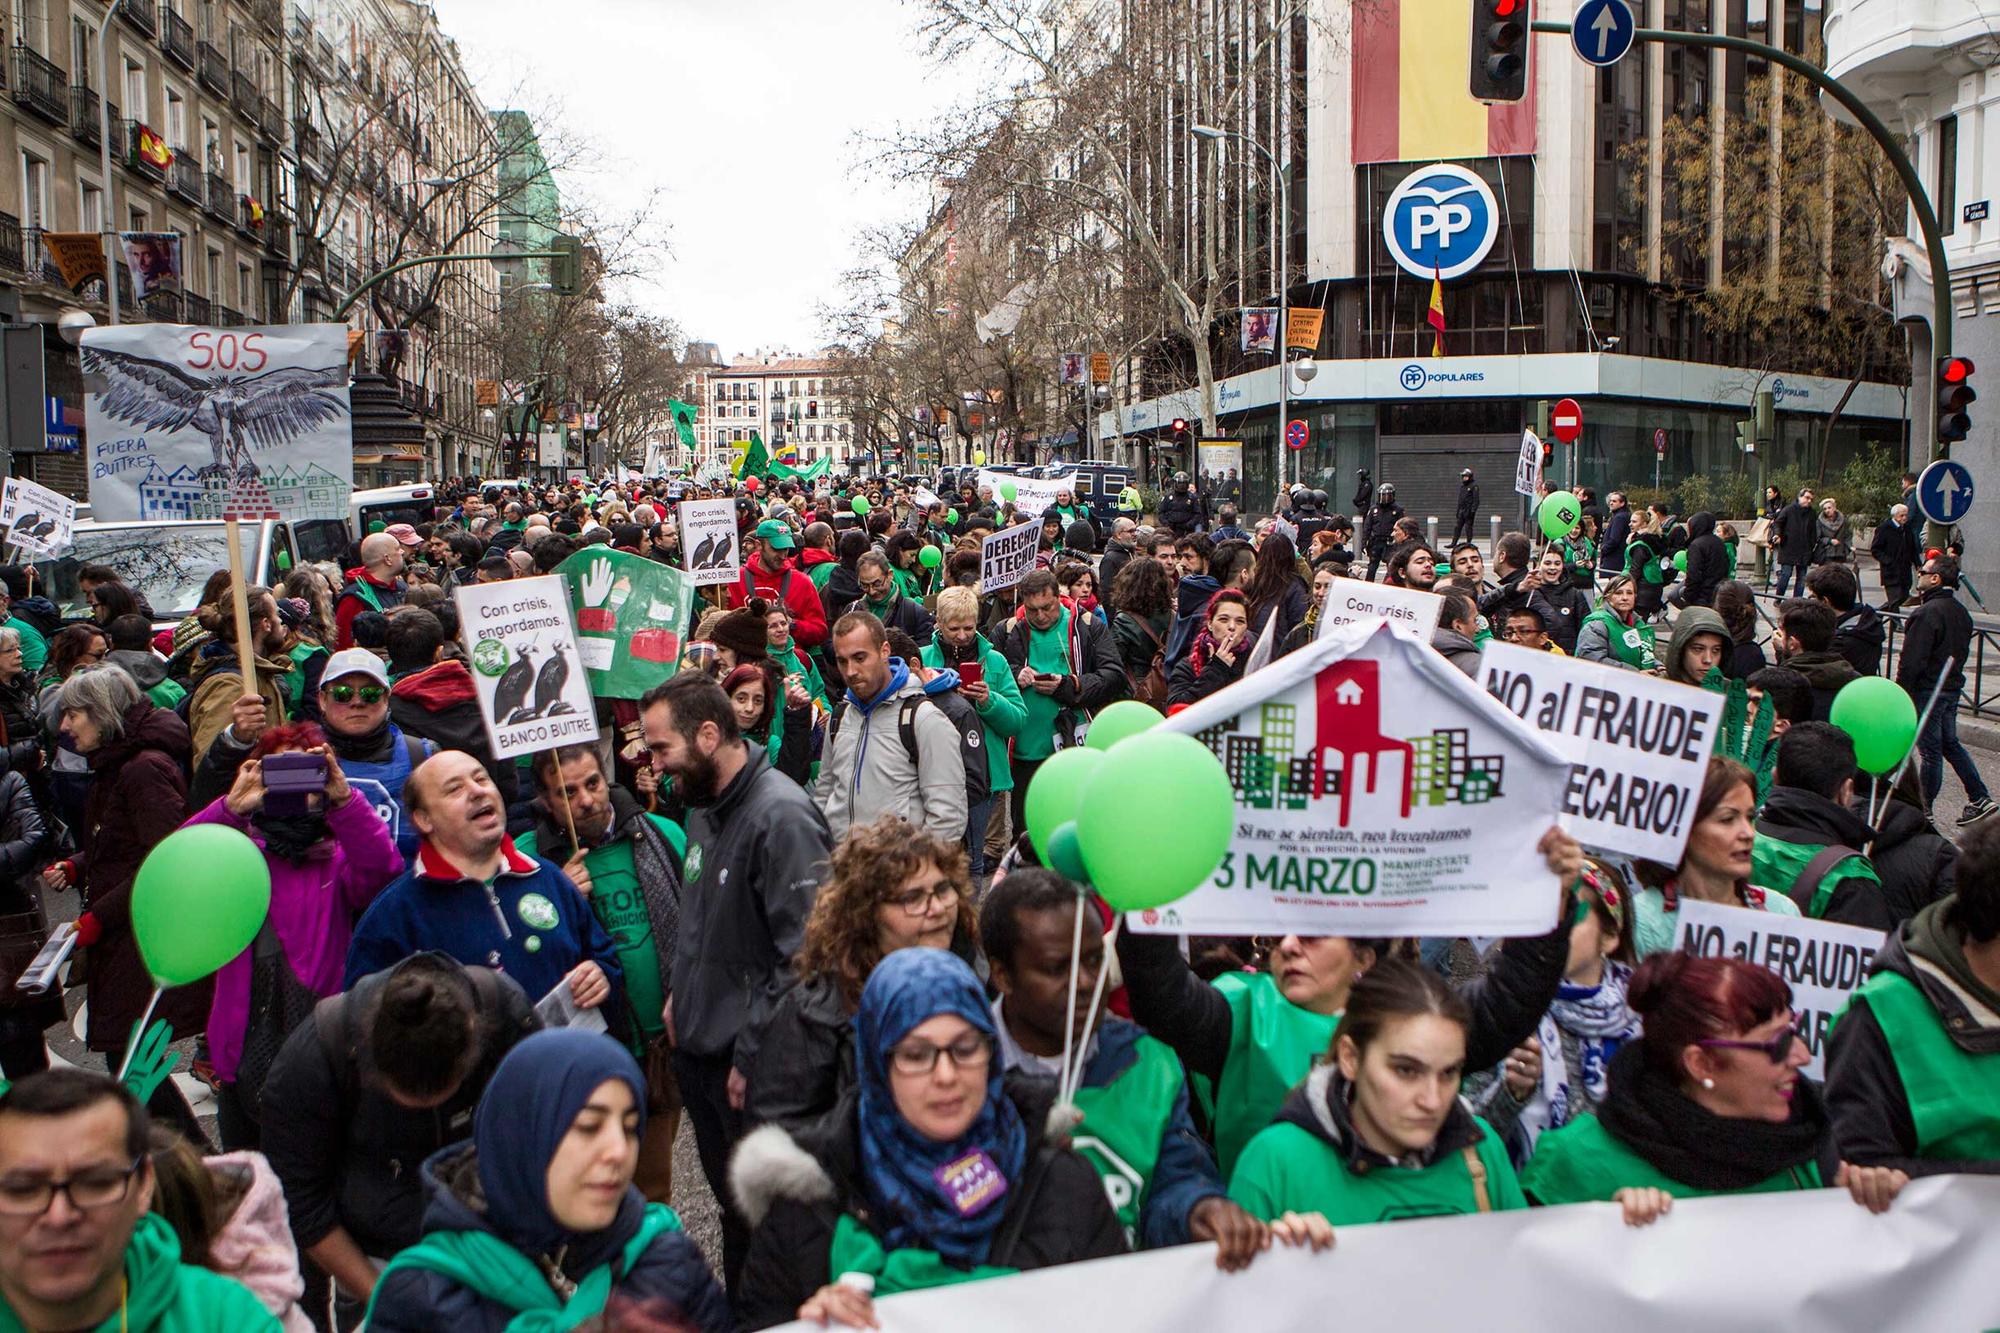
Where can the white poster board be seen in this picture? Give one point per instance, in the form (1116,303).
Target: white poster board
(1528,470)
(520,641)
(34,518)
(1031,494)
(1218,458)
(1411,612)
(1638,746)
(1822,961)
(1379,791)
(710,549)
(199,423)
(1006,557)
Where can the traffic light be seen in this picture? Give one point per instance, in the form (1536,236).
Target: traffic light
(1954,395)
(1548,457)
(1746,435)
(1499,50)
(566,269)
(1764,416)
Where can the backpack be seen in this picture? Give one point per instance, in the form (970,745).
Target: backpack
(971,741)
(1152,689)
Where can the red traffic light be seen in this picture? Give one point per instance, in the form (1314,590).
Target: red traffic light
(1955,369)
(1179,425)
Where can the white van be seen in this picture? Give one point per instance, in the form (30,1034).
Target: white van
(166,563)
(328,538)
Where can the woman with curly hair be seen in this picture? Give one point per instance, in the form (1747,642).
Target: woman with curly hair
(893,887)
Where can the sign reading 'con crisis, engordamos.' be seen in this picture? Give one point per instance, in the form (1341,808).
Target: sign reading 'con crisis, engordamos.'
(1638,746)
(533,693)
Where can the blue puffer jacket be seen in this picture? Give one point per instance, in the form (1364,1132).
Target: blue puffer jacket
(671,1282)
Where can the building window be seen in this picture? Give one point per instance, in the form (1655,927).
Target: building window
(34,192)
(1945,192)
(82,71)
(176,121)
(90,207)
(135,91)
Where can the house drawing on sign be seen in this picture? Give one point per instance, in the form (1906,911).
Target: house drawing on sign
(168,495)
(1349,725)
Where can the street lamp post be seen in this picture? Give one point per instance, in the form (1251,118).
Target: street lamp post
(107,223)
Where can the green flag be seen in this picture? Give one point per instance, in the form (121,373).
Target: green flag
(683,414)
(631,617)
(756,462)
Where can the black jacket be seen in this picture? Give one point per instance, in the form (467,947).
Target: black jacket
(1179,513)
(1097,675)
(1468,499)
(1186,686)
(1707,563)
(1896,549)
(1826,672)
(1506,595)
(1941,628)
(1917,864)
(1611,546)
(794,1188)
(1115,556)
(1290,608)
(1803,818)
(1563,607)
(903,614)
(1858,638)
(1795,532)
(1745,656)
(347,1154)
(755,860)
(1136,648)
(1380,526)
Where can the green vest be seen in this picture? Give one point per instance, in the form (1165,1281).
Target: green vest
(1288,1168)
(1954,1095)
(500,1273)
(1583,1162)
(1777,865)
(1642,561)
(855,1249)
(1272,1045)
(1632,645)
(1123,1123)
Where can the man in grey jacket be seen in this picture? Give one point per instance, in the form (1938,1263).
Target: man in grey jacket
(757,849)
(869,769)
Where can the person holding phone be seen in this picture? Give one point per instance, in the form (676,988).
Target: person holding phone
(1216,658)
(986,684)
(329,856)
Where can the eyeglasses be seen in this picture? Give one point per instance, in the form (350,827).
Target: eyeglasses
(1775,1050)
(86,1190)
(345,694)
(972,1051)
(917,901)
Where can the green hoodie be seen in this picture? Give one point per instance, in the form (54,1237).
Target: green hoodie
(1004,713)
(164,1295)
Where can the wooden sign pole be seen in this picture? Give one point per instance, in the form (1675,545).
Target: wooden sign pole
(239,592)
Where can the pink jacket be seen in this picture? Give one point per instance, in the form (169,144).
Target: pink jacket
(255,1245)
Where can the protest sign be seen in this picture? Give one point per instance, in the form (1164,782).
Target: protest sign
(709,541)
(1822,961)
(195,423)
(518,639)
(1379,791)
(1528,468)
(1411,612)
(1927,1263)
(35,518)
(631,616)
(1031,494)
(1638,746)
(1006,557)
(1217,458)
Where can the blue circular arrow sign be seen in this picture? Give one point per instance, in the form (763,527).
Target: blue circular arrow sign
(1944,491)
(1602,31)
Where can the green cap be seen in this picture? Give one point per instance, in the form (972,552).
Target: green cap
(775,532)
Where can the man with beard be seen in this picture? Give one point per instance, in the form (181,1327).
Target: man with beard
(757,848)
(473,895)
(1414,566)
(628,864)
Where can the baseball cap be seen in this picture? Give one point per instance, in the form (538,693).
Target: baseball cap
(353,662)
(404,533)
(775,532)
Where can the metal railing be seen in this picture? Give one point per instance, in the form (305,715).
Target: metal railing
(213,68)
(184,177)
(40,85)
(133,159)
(1981,695)
(278,234)
(12,256)
(199,309)
(83,115)
(219,198)
(243,95)
(271,119)
(176,38)
(141,16)
(163,306)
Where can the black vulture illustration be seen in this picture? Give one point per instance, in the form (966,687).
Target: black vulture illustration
(43,528)
(235,412)
(24,526)
(510,695)
(703,553)
(549,684)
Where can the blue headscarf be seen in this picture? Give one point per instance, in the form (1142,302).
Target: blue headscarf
(527,1108)
(907,988)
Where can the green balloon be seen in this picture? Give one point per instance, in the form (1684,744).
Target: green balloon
(1155,820)
(951,516)
(1681,561)
(1559,514)
(930,557)
(1066,854)
(1008,490)
(860,503)
(1053,794)
(1127,717)
(1880,717)
(198,901)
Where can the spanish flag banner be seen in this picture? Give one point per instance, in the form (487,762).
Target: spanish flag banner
(1410,97)
(152,149)
(1436,316)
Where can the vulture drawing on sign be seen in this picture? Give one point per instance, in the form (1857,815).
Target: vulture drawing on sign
(510,694)
(549,684)
(236,412)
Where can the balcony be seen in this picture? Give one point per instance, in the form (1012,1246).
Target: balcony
(312,253)
(243,95)
(83,116)
(134,160)
(212,68)
(39,86)
(163,306)
(228,318)
(176,38)
(11,254)
(219,198)
(270,120)
(249,220)
(278,234)
(140,16)
(306,140)
(184,177)
(117,135)
(197,309)
(269,15)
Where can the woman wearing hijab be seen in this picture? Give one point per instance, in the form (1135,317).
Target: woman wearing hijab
(1708,1101)
(535,1224)
(927,1172)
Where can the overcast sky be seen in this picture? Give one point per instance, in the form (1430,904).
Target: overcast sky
(746,111)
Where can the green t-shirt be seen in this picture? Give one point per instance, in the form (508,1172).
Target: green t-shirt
(1048,652)
(1583,1162)
(1287,1168)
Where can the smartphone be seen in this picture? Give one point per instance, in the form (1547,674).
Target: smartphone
(972,673)
(1047,675)
(291,781)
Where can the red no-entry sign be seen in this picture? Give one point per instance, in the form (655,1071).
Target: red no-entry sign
(1566,422)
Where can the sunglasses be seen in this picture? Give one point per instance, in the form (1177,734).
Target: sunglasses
(1775,1050)
(345,694)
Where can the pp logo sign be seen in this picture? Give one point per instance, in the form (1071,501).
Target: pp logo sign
(1441,220)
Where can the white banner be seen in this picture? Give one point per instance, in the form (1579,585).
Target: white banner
(1528,470)
(522,646)
(197,423)
(35,518)
(549,449)
(1345,829)
(1218,458)
(1031,494)
(1822,961)
(1007,556)
(1746,1263)
(1638,746)
(1411,612)
(710,548)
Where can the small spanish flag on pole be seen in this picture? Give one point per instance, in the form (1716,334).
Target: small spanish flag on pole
(1436,316)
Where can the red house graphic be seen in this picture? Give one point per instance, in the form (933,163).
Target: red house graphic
(1349,724)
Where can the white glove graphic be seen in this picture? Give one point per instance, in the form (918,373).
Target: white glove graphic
(597,581)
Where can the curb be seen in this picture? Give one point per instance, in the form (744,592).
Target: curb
(1979,733)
